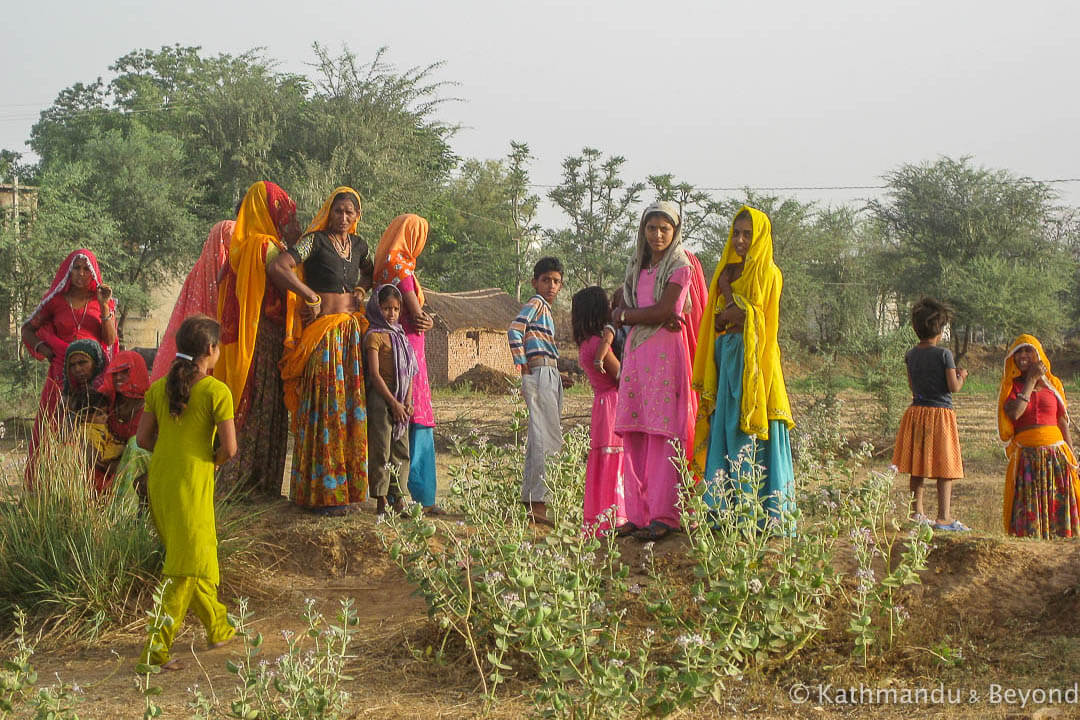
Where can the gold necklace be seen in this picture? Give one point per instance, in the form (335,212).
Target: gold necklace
(343,249)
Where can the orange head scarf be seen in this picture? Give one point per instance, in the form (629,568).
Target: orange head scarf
(1011,373)
(265,208)
(401,244)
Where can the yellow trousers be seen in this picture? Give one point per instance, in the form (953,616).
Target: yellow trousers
(181,594)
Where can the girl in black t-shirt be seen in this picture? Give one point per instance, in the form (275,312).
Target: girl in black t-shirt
(927,443)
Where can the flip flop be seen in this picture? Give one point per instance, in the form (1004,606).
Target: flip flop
(626,529)
(434,510)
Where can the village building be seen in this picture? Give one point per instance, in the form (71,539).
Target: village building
(470,329)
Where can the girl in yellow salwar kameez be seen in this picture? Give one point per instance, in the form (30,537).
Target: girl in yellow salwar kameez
(184,411)
(1042,488)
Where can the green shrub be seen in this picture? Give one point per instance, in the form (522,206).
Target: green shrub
(75,560)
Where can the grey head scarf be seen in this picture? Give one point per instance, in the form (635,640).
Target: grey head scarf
(673,259)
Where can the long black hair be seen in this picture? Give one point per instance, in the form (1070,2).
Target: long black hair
(193,340)
(589,312)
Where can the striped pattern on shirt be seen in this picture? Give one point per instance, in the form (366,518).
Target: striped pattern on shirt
(532,334)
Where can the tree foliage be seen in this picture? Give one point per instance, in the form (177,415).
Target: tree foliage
(602,210)
(980,240)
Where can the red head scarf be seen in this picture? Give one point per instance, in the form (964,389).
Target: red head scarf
(62,283)
(281,207)
(138,380)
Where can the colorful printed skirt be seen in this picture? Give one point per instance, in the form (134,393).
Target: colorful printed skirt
(1041,489)
(330,452)
(928,444)
(262,422)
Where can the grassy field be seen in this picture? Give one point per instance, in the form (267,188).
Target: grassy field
(991,610)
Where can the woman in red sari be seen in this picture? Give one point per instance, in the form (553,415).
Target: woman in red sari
(77,305)
(199,294)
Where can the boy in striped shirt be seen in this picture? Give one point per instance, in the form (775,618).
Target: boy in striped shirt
(532,344)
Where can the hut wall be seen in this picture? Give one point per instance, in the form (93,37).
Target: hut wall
(435,342)
(467,348)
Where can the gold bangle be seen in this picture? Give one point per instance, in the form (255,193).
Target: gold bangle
(314,304)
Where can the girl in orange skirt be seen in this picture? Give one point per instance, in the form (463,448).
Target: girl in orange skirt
(927,443)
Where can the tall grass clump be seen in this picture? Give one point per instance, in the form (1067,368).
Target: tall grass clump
(73,559)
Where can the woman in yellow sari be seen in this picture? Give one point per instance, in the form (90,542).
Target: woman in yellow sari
(744,416)
(1042,489)
(327,274)
(252,317)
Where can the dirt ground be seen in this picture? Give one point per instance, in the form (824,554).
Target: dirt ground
(992,612)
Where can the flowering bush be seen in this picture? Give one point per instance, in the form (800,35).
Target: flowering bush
(557,604)
(304,683)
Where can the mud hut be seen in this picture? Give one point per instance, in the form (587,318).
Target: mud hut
(470,329)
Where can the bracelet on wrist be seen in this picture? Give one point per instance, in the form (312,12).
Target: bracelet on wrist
(39,344)
(314,303)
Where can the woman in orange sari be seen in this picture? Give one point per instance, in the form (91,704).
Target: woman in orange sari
(327,275)
(252,317)
(395,264)
(1042,488)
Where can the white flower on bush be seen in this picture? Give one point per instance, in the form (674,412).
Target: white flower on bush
(690,641)
(755,586)
(493,577)
(512,599)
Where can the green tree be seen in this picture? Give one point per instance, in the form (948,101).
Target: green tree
(601,207)
(484,234)
(980,240)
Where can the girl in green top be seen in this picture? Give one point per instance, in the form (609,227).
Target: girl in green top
(184,411)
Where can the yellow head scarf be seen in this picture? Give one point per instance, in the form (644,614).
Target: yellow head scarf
(253,235)
(1011,373)
(398,249)
(757,291)
(294,326)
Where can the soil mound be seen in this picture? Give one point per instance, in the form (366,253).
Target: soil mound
(483,379)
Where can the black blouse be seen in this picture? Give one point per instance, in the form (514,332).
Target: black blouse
(325,271)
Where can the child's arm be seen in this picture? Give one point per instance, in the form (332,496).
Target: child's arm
(371,359)
(606,338)
(226,431)
(516,335)
(146,434)
(955,377)
(611,365)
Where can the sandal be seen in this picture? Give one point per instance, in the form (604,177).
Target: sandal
(434,510)
(656,531)
(920,519)
(540,520)
(626,529)
(954,526)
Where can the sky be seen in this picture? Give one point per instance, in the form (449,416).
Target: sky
(721,94)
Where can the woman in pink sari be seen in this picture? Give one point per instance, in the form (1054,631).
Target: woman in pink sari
(199,294)
(656,405)
(77,305)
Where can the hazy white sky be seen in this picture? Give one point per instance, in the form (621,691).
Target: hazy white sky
(720,93)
